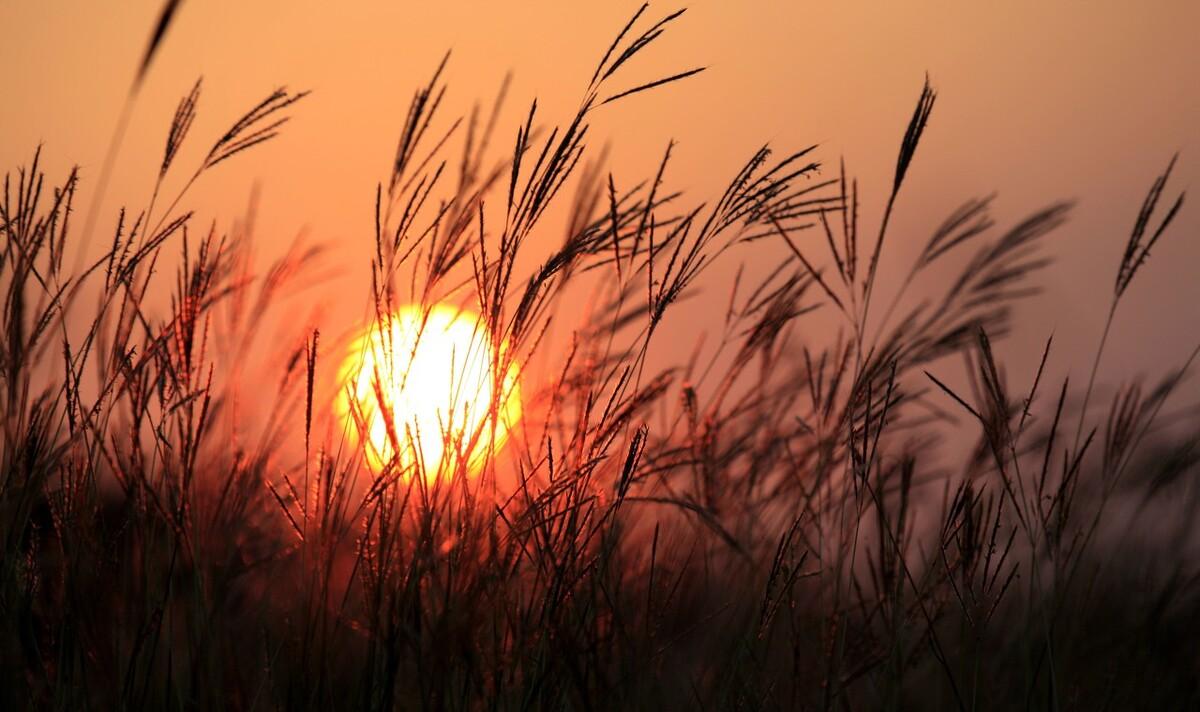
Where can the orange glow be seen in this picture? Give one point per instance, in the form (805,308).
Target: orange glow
(434,375)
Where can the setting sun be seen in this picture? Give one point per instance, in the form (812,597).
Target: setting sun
(421,389)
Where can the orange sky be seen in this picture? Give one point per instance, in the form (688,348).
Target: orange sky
(1037,100)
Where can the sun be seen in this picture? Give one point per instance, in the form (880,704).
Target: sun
(423,392)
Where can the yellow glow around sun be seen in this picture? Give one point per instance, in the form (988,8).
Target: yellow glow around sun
(431,377)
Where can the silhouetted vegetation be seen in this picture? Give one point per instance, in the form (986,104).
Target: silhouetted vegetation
(758,525)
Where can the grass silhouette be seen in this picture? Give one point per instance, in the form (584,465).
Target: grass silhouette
(760,530)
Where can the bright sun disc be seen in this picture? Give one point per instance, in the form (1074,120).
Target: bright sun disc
(431,377)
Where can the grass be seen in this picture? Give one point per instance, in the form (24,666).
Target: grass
(757,526)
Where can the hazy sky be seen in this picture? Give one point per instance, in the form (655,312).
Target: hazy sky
(1037,100)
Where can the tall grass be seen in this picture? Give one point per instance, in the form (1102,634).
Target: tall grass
(757,526)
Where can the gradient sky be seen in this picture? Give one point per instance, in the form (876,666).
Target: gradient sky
(1037,101)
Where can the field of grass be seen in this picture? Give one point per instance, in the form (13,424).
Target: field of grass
(758,528)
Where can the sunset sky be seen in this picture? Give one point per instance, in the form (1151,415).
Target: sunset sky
(1038,101)
(521,428)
